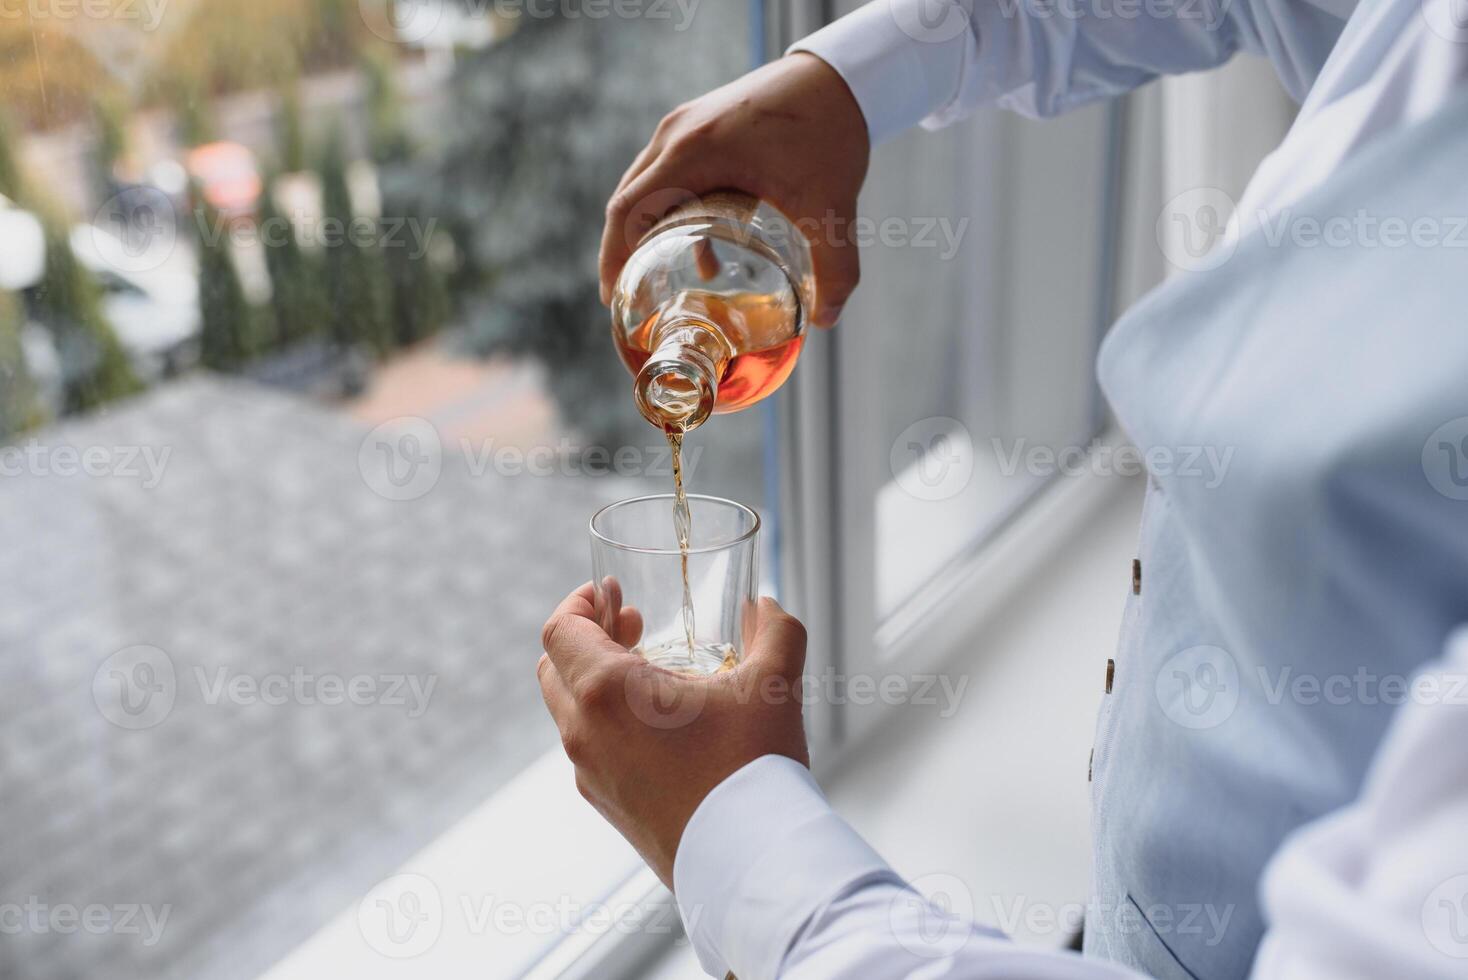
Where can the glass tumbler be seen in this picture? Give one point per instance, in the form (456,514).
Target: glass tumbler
(639,576)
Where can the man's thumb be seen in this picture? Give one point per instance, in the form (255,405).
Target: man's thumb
(778,646)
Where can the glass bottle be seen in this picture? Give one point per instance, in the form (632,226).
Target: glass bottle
(709,313)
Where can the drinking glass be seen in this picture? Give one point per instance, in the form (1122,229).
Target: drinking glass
(638,573)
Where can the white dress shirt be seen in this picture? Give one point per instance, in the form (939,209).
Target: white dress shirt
(1368,890)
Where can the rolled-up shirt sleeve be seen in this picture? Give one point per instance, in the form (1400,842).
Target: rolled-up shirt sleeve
(934,61)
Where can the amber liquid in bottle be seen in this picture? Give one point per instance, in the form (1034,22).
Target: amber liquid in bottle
(756,327)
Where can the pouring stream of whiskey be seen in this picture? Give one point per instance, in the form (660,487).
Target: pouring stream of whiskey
(683,529)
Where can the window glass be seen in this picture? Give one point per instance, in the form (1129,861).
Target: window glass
(306,398)
(976,328)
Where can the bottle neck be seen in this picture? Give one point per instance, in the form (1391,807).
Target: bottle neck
(678,387)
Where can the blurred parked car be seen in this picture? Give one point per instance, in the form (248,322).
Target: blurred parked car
(22,247)
(153,306)
(43,364)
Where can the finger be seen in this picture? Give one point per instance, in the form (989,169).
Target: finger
(641,162)
(650,152)
(630,216)
(581,651)
(576,645)
(779,642)
(641,203)
(705,260)
(629,627)
(836,262)
(611,591)
(582,602)
(608,603)
(623,623)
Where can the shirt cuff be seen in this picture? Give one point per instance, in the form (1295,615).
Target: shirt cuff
(762,854)
(900,64)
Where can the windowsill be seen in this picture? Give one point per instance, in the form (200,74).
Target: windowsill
(1027,790)
(530,857)
(1017,824)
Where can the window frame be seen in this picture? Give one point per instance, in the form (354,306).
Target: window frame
(828,488)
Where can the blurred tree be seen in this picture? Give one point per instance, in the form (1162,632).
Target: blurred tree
(419,254)
(387,134)
(192,111)
(334,32)
(109,144)
(68,302)
(19,409)
(357,287)
(559,110)
(12,181)
(10,178)
(48,77)
(336,196)
(290,137)
(420,295)
(366,310)
(414,254)
(228,46)
(227,335)
(297,291)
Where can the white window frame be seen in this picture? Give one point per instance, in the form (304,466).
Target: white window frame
(830,487)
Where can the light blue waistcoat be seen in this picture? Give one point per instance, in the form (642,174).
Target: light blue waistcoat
(1282,610)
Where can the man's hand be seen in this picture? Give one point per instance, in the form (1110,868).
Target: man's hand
(790,133)
(649,745)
